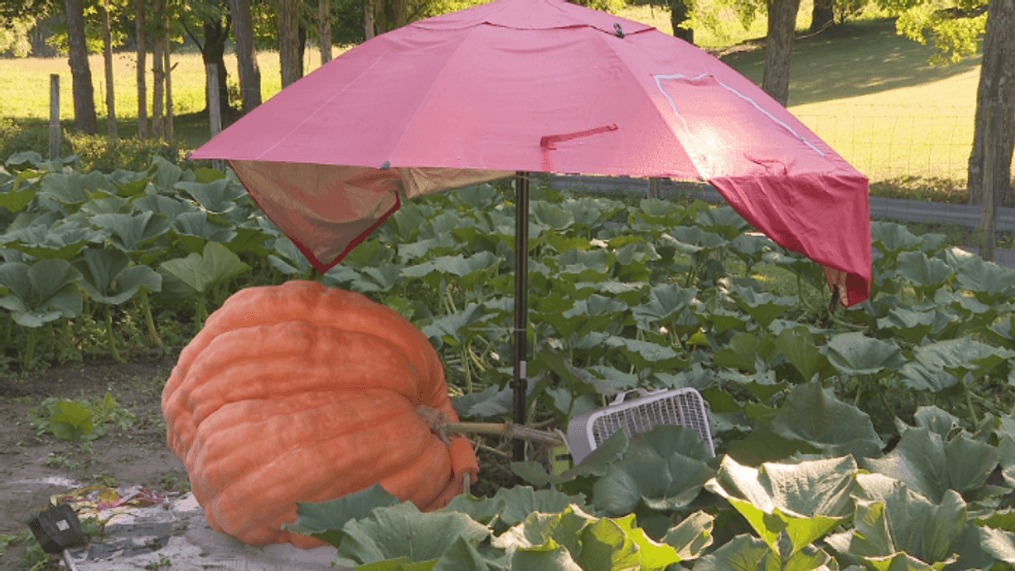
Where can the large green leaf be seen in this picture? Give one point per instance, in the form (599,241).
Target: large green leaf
(854,354)
(218,196)
(912,326)
(961,356)
(665,440)
(890,238)
(748,553)
(932,466)
(925,274)
(741,353)
(198,273)
(1003,332)
(607,544)
(805,501)
(519,502)
(40,293)
(800,348)
(73,188)
(195,229)
(62,241)
(642,354)
(904,530)
(17,194)
(668,483)
(552,215)
(133,232)
(724,221)
(572,317)
(813,415)
(606,547)
(989,282)
(563,528)
(289,260)
(325,520)
(462,555)
(469,272)
(763,307)
(403,531)
(742,553)
(665,302)
(692,535)
(549,556)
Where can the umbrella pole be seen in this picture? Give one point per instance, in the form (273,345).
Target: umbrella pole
(520,382)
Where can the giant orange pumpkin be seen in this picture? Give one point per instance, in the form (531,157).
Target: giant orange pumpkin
(302,393)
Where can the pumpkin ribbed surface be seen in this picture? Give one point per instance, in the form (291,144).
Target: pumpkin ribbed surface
(302,393)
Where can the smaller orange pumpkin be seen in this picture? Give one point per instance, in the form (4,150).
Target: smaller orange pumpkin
(302,393)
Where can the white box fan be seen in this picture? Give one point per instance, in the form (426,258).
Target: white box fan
(679,407)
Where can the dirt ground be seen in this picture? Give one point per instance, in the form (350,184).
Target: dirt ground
(33,468)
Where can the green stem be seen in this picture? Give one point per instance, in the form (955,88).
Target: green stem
(152,331)
(884,401)
(467,369)
(109,336)
(201,315)
(477,360)
(800,293)
(847,324)
(507,430)
(969,403)
(30,348)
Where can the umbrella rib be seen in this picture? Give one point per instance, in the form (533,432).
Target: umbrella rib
(734,92)
(422,100)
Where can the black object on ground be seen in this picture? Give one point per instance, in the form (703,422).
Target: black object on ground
(57,528)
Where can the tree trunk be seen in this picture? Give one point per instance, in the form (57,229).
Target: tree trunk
(399,14)
(324,30)
(368,18)
(168,70)
(779,48)
(679,15)
(996,88)
(142,72)
(822,14)
(216,33)
(81,74)
(301,48)
(288,40)
(246,54)
(158,87)
(107,56)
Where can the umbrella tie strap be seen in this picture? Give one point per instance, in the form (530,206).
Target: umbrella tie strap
(547,142)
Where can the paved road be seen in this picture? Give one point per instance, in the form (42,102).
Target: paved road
(887,208)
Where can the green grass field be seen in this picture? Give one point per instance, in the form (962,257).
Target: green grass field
(869,93)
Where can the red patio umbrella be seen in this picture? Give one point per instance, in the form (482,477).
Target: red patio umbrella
(536,85)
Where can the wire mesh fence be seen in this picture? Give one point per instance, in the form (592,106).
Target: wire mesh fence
(889,141)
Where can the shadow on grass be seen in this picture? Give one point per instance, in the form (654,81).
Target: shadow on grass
(858,58)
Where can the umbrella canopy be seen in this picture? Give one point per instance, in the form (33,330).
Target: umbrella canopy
(545,86)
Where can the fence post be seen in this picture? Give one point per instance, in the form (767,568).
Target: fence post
(214,107)
(654,189)
(988,217)
(54,116)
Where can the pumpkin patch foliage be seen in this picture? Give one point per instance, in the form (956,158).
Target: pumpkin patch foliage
(880,437)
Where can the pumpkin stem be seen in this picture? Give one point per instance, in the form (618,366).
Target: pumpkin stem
(440,426)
